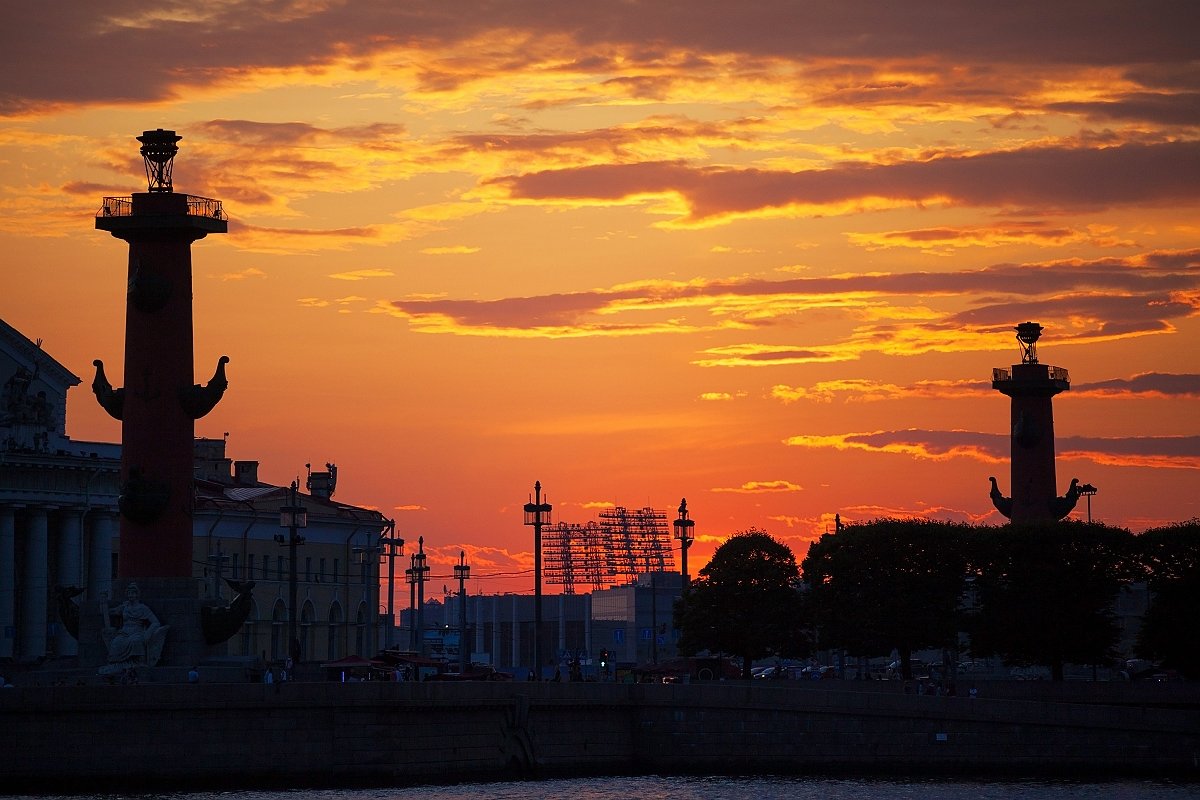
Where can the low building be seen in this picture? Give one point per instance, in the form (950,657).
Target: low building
(238,536)
(631,623)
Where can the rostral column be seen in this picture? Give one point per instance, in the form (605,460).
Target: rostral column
(1032,386)
(159,403)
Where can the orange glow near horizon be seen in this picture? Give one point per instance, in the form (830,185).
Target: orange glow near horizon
(754,256)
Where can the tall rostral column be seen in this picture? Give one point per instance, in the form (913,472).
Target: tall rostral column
(159,403)
(1031,387)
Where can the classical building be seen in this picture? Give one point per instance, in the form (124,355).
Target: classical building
(236,526)
(60,541)
(58,504)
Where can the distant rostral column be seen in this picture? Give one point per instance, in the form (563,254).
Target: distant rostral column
(1032,387)
(159,403)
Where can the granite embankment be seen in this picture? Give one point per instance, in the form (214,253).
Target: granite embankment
(172,735)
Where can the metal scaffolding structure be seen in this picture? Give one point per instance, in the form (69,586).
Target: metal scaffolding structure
(624,543)
(574,554)
(636,541)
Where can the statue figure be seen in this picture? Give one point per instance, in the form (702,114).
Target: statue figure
(140,638)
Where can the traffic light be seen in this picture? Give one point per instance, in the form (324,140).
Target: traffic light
(603,659)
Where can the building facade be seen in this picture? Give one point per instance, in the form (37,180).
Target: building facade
(60,538)
(632,623)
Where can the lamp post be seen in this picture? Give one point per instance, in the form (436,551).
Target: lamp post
(395,547)
(461,573)
(537,514)
(293,516)
(685,532)
(416,575)
(1088,491)
(410,577)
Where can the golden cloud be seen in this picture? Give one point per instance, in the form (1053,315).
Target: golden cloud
(1154,452)
(362,274)
(454,250)
(761,487)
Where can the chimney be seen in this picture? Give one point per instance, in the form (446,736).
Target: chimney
(322,484)
(245,472)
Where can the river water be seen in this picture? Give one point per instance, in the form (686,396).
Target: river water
(656,787)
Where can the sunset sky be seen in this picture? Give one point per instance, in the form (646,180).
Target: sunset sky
(761,255)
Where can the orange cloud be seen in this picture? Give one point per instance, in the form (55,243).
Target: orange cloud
(761,487)
(1157,452)
(946,240)
(1091,301)
(863,390)
(1061,177)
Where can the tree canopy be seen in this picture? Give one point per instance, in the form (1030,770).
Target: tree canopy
(1171,557)
(745,602)
(889,583)
(1045,594)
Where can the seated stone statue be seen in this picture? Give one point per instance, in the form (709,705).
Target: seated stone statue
(139,639)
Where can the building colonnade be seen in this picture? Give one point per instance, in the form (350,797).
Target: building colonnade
(43,546)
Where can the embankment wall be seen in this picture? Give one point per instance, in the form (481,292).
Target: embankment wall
(170,735)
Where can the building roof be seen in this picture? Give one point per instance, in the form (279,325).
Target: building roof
(20,346)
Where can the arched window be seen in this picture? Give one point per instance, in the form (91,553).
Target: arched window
(279,631)
(335,624)
(360,631)
(249,631)
(308,616)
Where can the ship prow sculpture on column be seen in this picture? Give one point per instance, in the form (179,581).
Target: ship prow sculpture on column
(157,408)
(1031,387)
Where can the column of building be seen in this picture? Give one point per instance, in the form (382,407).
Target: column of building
(8,581)
(69,572)
(478,602)
(100,548)
(516,632)
(53,543)
(31,633)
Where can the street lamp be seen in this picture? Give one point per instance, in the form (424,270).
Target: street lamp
(395,547)
(685,532)
(293,516)
(410,577)
(416,575)
(537,514)
(461,573)
(1088,491)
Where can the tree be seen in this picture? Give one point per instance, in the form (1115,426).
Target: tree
(1046,594)
(745,602)
(889,583)
(1171,557)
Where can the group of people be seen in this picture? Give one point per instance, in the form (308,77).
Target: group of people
(285,674)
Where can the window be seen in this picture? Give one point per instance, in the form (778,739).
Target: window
(321,575)
(250,566)
(308,568)
(234,563)
(279,567)
(336,574)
